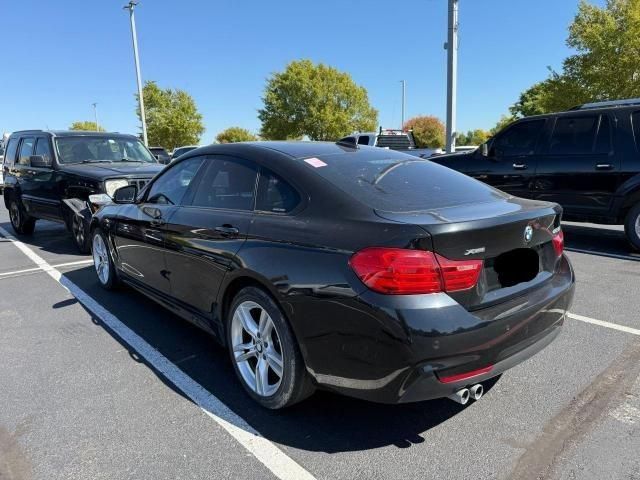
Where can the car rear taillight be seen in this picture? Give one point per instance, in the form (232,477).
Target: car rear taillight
(398,271)
(459,274)
(558,243)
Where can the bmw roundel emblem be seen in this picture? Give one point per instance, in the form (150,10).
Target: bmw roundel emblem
(528,234)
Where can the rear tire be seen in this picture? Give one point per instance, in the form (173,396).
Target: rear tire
(21,222)
(632,227)
(264,352)
(102,261)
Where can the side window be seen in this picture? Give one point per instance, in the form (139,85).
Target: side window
(12,149)
(227,183)
(520,139)
(26,150)
(172,185)
(43,148)
(574,135)
(363,140)
(603,140)
(635,119)
(275,195)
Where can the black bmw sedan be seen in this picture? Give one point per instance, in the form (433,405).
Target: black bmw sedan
(357,269)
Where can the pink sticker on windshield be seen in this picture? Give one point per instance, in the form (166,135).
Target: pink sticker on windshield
(315,162)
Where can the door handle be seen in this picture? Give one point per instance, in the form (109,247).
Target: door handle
(157,222)
(227,230)
(604,166)
(519,166)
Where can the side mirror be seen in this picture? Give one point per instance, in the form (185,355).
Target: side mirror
(485,149)
(39,161)
(125,194)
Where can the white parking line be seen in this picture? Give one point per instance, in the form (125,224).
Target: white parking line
(38,269)
(632,256)
(614,326)
(262,449)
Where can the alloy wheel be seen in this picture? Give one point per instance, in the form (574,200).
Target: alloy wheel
(101,259)
(637,226)
(14,215)
(78,230)
(257,349)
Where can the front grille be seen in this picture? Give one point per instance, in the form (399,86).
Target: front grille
(139,182)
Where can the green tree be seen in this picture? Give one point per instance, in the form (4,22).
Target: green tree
(472,137)
(172,117)
(606,65)
(86,125)
(314,100)
(235,134)
(427,130)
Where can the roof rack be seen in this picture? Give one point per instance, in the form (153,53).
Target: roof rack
(608,103)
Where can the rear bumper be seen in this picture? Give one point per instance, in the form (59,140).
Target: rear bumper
(393,349)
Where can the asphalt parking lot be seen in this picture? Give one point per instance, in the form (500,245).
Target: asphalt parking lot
(109,385)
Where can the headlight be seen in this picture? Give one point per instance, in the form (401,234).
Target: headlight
(110,186)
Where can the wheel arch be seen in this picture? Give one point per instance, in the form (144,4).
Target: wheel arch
(231,288)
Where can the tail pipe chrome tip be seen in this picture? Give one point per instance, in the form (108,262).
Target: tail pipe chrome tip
(476,391)
(461,396)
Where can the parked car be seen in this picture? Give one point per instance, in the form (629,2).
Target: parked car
(1,166)
(361,270)
(50,175)
(586,159)
(400,140)
(178,151)
(161,155)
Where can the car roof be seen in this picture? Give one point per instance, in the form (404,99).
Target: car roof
(73,133)
(293,150)
(304,149)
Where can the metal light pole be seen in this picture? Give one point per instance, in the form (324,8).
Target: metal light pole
(131,6)
(95,114)
(403,104)
(452,74)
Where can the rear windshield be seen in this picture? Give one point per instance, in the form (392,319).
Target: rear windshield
(87,148)
(393,182)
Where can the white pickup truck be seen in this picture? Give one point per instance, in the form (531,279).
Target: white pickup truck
(391,139)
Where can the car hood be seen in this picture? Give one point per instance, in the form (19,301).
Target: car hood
(110,170)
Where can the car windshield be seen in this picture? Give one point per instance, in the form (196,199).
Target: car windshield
(101,149)
(395,182)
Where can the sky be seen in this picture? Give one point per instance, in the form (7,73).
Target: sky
(61,56)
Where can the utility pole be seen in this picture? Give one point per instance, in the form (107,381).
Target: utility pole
(95,114)
(403,104)
(131,6)
(452,74)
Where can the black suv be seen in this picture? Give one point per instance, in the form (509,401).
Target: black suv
(50,175)
(587,159)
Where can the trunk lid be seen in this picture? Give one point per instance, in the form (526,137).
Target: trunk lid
(513,237)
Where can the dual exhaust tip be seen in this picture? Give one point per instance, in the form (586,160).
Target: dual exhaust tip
(463,395)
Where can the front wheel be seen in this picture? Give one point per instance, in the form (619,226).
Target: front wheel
(102,262)
(22,223)
(632,227)
(264,353)
(79,232)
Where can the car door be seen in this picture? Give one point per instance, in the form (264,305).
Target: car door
(25,176)
(579,168)
(141,227)
(204,235)
(45,197)
(511,162)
